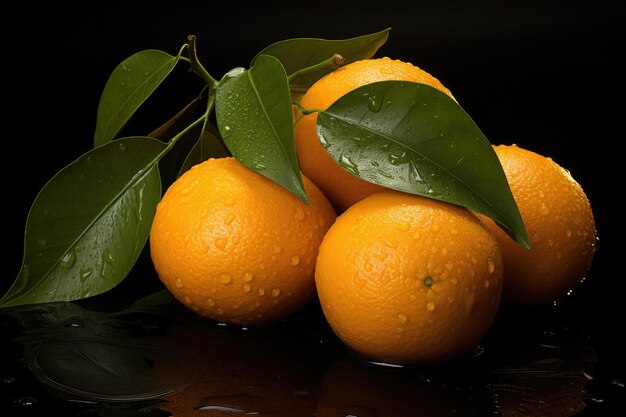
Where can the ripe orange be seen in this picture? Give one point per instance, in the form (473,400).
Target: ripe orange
(236,247)
(407,279)
(560,225)
(342,188)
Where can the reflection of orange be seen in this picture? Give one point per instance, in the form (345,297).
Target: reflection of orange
(360,389)
(244,372)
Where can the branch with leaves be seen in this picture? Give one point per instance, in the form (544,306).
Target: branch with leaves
(90,222)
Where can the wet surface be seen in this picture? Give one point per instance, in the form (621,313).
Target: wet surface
(156,359)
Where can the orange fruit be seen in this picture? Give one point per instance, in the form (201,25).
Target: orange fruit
(341,187)
(559,222)
(236,247)
(407,279)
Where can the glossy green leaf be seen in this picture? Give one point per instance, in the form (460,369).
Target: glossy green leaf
(299,53)
(89,223)
(255,119)
(413,138)
(209,145)
(129,85)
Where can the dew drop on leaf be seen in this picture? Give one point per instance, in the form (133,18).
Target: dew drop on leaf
(374,103)
(85,273)
(346,163)
(324,142)
(68,259)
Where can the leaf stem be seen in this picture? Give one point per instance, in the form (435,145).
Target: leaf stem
(199,120)
(303,110)
(197,67)
(334,61)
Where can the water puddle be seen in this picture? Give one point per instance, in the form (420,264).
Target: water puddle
(137,362)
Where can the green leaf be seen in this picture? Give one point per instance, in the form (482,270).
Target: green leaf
(299,53)
(209,145)
(414,138)
(255,119)
(129,85)
(89,223)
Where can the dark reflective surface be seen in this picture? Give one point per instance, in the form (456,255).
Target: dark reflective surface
(534,362)
(546,76)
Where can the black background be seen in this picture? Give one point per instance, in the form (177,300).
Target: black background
(549,78)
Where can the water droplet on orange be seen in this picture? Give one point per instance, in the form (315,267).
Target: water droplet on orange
(229,219)
(275,292)
(491,266)
(247,288)
(403,227)
(178,283)
(295,260)
(225,278)
(247,277)
(221,242)
(402,318)
(430,306)
(261,291)
(368,267)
